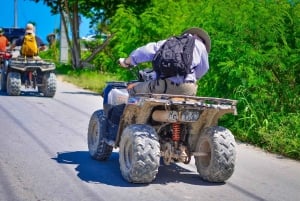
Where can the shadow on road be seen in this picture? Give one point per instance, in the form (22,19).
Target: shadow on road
(175,174)
(25,93)
(82,92)
(89,170)
(108,172)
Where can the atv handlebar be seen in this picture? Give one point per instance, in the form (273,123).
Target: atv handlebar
(5,55)
(141,74)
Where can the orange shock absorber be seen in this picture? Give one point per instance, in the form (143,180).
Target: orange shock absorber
(176,132)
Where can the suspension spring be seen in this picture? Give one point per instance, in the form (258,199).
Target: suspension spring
(176,132)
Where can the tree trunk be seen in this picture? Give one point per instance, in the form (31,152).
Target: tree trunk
(74,25)
(75,34)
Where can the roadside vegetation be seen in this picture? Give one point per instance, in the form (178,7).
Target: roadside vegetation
(255,59)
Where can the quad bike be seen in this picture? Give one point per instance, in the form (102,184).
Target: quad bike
(150,127)
(30,72)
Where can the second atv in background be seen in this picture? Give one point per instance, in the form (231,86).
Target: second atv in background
(30,73)
(27,68)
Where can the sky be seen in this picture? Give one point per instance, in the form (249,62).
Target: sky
(39,13)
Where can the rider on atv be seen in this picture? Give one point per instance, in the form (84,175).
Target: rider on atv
(38,44)
(184,85)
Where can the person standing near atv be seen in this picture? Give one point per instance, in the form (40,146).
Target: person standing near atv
(30,43)
(180,85)
(4,42)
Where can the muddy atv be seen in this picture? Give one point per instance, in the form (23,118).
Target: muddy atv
(31,73)
(174,128)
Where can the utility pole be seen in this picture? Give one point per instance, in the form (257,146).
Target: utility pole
(16,14)
(63,42)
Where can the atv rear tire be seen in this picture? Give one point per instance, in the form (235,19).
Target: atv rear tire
(98,149)
(139,154)
(217,145)
(49,85)
(14,84)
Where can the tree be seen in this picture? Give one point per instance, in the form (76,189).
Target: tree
(254,58)
(70,11)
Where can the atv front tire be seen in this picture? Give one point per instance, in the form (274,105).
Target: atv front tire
(49,85)
(98,148)
(217,159)
(139,154)
(14,84)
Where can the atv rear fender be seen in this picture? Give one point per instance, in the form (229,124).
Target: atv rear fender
(29,64)
(144,108)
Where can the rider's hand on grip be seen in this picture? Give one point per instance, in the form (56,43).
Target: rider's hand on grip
(122,63)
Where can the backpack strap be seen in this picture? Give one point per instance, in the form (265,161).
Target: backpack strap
(22,38)
(188,52)
(37,45)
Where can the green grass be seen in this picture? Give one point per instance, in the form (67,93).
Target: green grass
(86,79)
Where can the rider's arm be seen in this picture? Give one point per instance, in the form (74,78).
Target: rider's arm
(145,53)
(41,44)
(141,54)
(17,42)
(7,42)
(11,48)
(200,60)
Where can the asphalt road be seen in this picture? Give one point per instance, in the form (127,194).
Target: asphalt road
(44,157)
